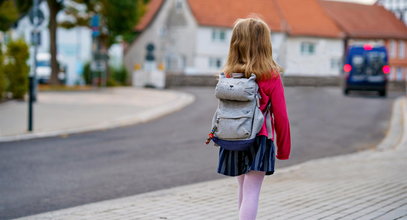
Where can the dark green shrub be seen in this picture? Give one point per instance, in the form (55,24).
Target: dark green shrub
(16,67)
(117,76)
(3,77)
(120,75)
(87,74)
(111,83)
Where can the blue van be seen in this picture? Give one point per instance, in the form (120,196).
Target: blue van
(366,68)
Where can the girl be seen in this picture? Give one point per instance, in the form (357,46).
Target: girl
(251,52)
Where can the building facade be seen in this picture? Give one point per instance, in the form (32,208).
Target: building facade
(375,25)
(193,36)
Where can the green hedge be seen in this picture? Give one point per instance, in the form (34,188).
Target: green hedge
(3,77)
(16,68)
(118,76)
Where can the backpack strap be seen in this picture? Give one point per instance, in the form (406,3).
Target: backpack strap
(267,117)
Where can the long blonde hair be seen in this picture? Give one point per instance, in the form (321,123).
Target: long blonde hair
(250,50)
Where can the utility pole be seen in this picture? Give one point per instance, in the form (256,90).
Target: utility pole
(36,18)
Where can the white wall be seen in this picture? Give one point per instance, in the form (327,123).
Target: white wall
(207,48)
(173,34)
(317,64)
(191,47)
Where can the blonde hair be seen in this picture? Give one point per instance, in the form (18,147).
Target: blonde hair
(250,50)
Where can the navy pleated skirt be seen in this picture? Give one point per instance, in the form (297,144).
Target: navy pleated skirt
(259,157)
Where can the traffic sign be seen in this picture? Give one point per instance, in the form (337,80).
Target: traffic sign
(36,38)
(97,66)
(95,25)
(37,18)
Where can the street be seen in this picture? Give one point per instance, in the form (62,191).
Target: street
(53,173)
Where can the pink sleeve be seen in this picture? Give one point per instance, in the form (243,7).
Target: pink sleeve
(281,121)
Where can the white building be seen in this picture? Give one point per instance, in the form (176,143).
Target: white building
(309,37)
(192,36)
(375,25)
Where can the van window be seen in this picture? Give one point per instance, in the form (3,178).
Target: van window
(357,64)
(375,63)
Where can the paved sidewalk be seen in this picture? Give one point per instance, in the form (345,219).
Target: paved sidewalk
(371,184)
(61,113)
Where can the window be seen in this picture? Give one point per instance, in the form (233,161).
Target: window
(178,5)
(393,48)
(335,63)
(399,74)
(218,35)
(357,64)
(401,49)
(307,48)
(375,62)
(215,62)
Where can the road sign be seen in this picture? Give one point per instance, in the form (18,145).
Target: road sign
(36,38)
(150,48)
(97,66)
(95,25)
(37,18)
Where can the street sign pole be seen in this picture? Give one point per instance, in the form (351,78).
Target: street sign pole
(36,19)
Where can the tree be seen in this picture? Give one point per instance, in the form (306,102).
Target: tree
(3,77)
(11,11)
(118,19)
(8,15)
(54,6)
(121,17)
(16,67)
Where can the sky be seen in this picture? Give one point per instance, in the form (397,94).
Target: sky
(359,1)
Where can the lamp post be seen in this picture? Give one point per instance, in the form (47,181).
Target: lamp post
(36,18)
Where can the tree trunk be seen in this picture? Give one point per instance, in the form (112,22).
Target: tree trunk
(54,8)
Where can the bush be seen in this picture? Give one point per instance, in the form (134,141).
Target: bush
(3,77)
(16,67)
(120,75)
(87,74)
(117,77)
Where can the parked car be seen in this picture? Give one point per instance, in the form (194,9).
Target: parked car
(366,68)
(44,69)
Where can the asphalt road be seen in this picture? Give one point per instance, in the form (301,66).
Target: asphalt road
(54,173)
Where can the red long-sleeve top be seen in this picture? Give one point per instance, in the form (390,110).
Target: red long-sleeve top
(273,89)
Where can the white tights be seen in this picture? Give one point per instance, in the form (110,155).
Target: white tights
(249,191)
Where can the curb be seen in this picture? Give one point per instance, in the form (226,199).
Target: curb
(182,101)
(403,139)
(397,127)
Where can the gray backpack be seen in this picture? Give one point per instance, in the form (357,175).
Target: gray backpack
(238,118)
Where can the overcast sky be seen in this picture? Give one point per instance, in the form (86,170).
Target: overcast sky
(359,1)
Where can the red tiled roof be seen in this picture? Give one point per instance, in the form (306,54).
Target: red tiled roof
(296,17)
(152,8)
(308,18)
(223,13)
(365,21)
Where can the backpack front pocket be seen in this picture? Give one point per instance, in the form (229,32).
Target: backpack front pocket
(233,127)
